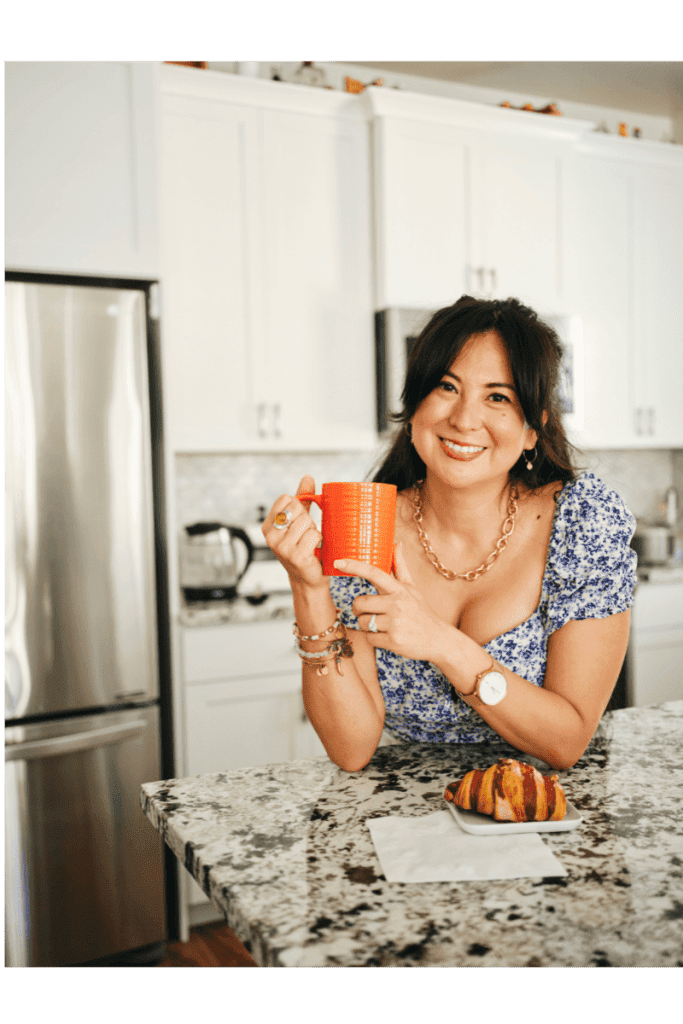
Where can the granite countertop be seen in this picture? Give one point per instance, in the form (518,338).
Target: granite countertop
(285,852)
(241,610)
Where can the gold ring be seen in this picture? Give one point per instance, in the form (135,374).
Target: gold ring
(282,520)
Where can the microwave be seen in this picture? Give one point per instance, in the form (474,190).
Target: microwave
(397,329)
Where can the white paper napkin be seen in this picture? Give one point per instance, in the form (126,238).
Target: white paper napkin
(434,848)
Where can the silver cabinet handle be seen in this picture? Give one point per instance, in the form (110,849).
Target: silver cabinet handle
(638,421)
(276,420)
(480,272)
(492,272)
(261,419)
(651,420)
(32,749)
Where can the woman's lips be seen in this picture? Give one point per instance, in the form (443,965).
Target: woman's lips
(462,453)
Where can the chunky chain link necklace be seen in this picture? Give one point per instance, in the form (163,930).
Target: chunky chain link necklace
(473,574)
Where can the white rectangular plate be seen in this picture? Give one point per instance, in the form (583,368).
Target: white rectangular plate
(483,825)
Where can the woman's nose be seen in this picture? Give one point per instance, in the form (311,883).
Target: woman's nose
(465,414)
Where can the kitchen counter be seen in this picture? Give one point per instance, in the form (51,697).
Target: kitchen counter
(285,852)
(216,613)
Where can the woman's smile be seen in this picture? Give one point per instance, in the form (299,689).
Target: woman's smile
(462,452)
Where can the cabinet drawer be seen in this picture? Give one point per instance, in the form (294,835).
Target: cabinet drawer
(233,651)
(657,606)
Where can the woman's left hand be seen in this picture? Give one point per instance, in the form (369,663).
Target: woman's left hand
(406,623)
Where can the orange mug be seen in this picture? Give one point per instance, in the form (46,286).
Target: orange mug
(358,522)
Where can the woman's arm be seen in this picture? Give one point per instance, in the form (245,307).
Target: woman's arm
(345,707)
(554,722)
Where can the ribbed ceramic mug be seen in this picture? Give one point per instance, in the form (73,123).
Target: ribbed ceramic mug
(358,522)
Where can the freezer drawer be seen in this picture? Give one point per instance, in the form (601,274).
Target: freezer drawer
(83,869)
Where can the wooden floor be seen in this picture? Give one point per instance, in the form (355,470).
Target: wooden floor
(210,945)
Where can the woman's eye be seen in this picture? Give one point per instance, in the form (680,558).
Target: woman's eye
(446,385)
(499,397)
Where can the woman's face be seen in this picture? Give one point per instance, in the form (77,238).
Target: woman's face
(470,428)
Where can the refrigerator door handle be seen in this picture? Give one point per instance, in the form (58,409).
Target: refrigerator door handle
(56,745)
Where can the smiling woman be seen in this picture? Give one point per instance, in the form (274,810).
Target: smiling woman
(508,613)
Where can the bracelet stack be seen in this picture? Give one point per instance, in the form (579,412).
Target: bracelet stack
(338,647)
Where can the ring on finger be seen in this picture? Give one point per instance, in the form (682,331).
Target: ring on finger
(282,520)
(372,625)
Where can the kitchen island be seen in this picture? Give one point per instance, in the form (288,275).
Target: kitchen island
(285,852)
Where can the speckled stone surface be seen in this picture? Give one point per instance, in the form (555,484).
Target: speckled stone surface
(285,852)
(217,613)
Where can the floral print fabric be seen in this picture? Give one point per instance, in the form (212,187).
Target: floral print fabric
(590,573)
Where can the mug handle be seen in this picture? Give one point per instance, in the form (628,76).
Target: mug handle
(318,499)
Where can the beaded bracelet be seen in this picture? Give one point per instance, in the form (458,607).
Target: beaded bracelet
(336,650)
(317,636)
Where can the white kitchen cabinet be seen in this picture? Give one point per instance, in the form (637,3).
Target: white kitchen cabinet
(467,199)
(80,168)
(318,273)
(654,662)
(265,247)
(243,702)
(622,225)
(599,271)
(658,381)
(517,189)
(211,273)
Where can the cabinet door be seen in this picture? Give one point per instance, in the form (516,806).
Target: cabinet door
(317,252)
(80,168)
(226,732)
(212,290)
(598,255)
(658,383)
(517,220)
(422,199)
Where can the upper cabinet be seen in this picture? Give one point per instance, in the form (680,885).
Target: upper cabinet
(266,264)
(499,203)
(622,225)
(80,168)
(467,200)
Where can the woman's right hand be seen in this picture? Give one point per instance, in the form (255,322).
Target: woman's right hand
(294,547)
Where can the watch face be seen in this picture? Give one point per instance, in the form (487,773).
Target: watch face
(492,688)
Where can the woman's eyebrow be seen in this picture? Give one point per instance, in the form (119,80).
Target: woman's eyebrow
(497,384)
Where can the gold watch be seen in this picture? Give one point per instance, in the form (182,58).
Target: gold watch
(490,687)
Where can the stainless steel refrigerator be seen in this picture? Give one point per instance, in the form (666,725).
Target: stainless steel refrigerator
(85,612)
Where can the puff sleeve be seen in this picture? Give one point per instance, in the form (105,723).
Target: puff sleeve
(344,591)
(591,569)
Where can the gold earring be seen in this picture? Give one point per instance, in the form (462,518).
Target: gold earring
(530,462)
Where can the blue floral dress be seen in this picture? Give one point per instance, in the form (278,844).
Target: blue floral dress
(590,573)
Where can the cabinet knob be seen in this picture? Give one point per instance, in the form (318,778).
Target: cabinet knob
(276,420)
(492,272)
(651,421)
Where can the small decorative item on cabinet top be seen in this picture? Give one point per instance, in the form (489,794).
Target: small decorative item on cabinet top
(354,86)
(309,74)
(189,63)
(623,130)
(636,133)
(550,108)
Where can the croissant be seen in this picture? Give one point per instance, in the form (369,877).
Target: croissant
(510,791)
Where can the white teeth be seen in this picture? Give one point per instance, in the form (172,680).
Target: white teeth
(466,449)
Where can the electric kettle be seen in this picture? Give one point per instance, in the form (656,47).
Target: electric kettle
(209,566)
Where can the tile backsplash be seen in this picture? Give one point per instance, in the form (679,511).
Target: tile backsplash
(231,487)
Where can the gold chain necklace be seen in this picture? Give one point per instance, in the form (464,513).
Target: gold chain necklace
(473,574)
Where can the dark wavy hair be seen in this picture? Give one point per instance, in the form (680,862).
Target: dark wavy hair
(535,356)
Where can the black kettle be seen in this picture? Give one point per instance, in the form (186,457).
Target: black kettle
(209,566)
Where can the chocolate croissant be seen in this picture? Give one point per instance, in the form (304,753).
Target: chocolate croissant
(510,791)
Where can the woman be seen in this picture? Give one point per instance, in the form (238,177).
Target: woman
(508,613)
